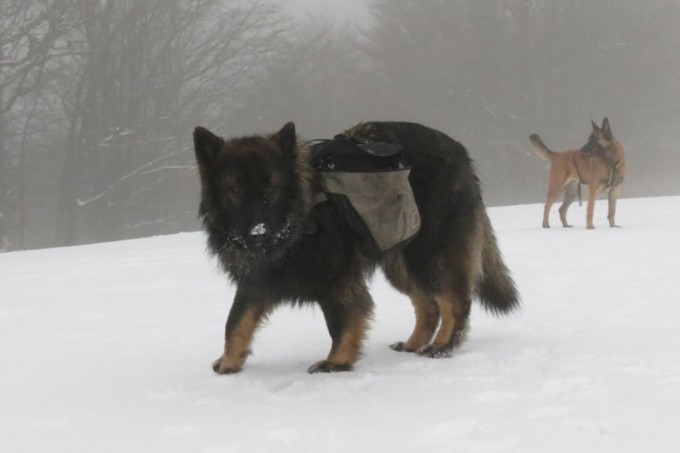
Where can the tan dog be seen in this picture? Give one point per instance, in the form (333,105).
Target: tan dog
(599,164)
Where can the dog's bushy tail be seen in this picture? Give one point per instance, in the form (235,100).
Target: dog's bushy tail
(495,287)
(543,151)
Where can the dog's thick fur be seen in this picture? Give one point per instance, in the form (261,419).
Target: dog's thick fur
(275,239)
(599,164)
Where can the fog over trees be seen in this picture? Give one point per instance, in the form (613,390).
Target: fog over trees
(98,98)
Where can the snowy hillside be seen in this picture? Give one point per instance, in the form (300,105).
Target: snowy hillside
(107,348)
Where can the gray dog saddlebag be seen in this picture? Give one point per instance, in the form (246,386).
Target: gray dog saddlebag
(373,178)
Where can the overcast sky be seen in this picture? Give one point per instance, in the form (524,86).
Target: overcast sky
(343,8)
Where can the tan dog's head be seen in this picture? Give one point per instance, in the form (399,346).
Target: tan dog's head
(600,140)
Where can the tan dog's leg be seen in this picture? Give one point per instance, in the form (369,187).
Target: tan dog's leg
(546,212)
(592,194)
(570,193)
(613,196)
(555,186)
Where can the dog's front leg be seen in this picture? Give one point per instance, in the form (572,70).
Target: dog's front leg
(244,318)
(347,319)
(592,195)
(611,215)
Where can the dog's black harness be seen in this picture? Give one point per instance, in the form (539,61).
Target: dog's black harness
(371,179)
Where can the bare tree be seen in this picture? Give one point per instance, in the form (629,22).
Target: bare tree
(30,31)
(146,72)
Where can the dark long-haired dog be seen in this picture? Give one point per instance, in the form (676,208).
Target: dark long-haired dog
(280,240)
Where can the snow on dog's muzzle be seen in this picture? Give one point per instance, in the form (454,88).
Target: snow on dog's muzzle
(258,234)
(258,230)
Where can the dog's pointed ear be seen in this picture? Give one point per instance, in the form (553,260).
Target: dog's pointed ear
(206,146)
(595,126)
(606,129)
(287,138)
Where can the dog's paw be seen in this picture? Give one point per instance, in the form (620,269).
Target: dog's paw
(220,366)
(328,367)
(402,346)
(435,352)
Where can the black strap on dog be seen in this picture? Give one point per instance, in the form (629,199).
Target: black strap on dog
(349,154)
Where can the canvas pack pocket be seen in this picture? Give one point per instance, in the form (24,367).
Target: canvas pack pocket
(383,200)
(374,179)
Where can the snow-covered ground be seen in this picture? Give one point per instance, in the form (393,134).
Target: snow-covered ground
(107,348)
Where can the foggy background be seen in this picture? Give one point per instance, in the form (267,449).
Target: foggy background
(98,98)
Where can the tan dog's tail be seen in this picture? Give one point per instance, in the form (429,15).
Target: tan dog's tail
(543,151)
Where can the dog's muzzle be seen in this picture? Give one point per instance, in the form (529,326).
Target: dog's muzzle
(258,235)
